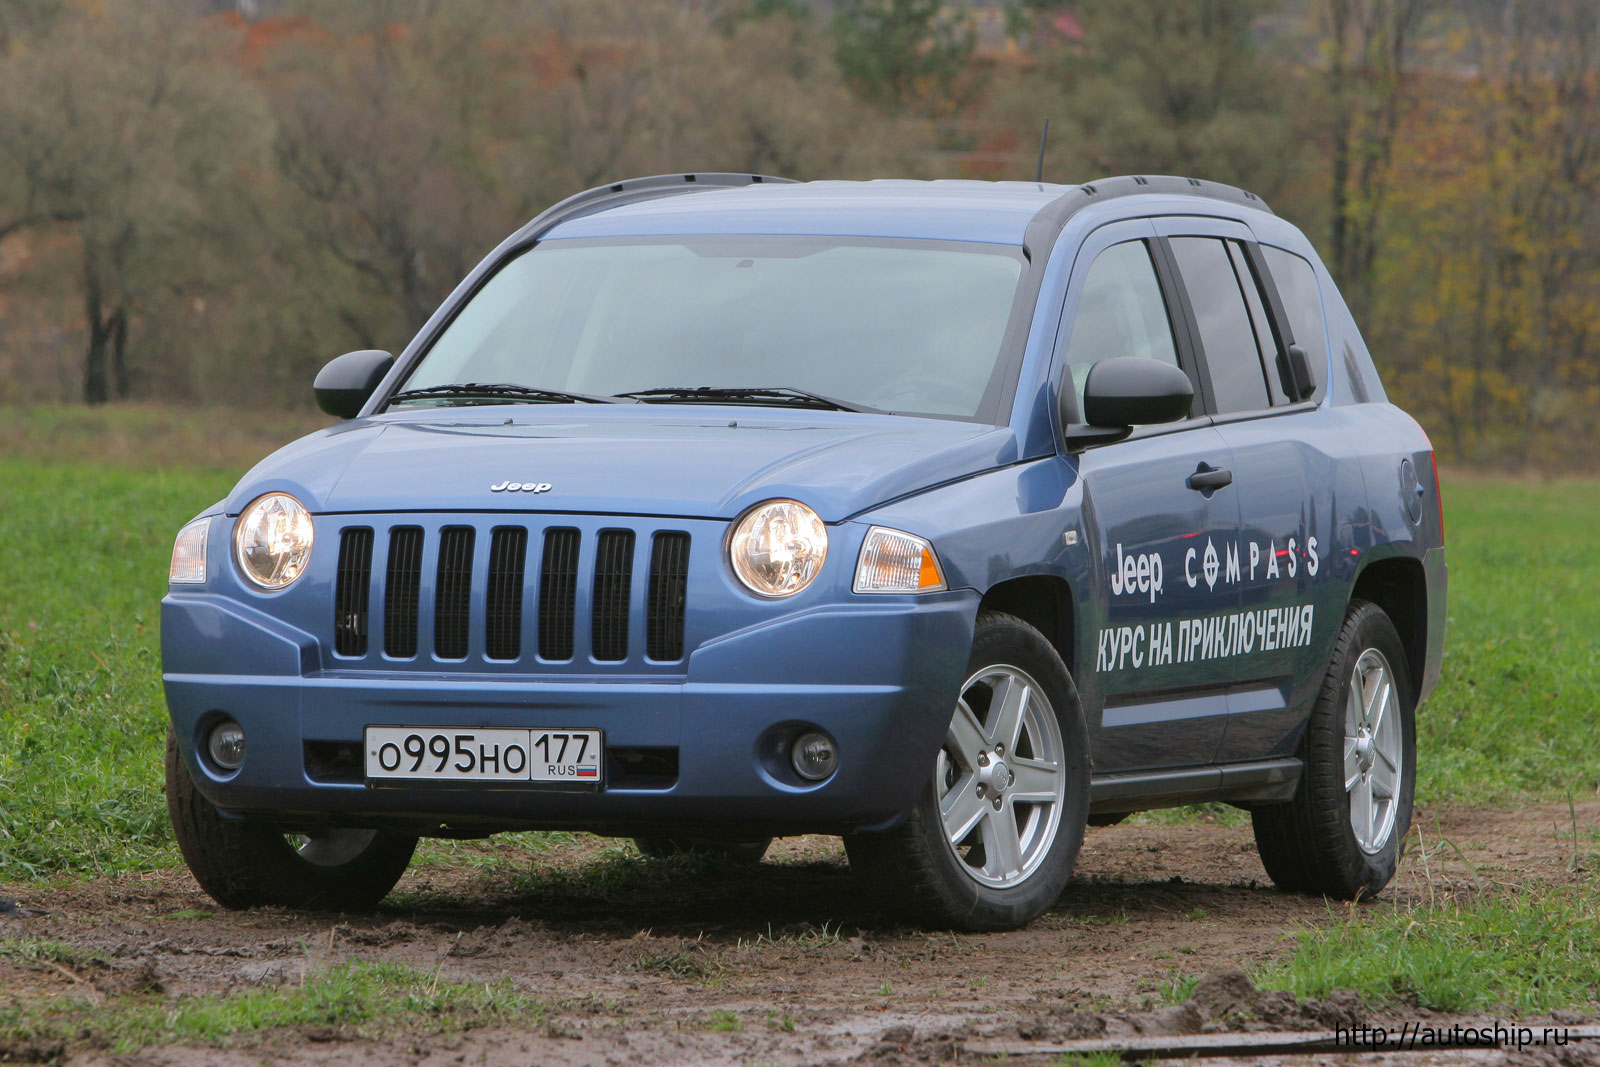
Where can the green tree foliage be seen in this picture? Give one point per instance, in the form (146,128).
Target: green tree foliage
(1163,87)
(906,56)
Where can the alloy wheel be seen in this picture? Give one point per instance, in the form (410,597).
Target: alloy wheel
(1374,750)
(1000,777)
(330,848)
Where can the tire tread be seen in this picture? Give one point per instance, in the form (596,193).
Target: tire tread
(248,864)
(1306,845)
(903,872)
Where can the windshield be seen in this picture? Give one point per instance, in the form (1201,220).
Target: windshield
(902,326)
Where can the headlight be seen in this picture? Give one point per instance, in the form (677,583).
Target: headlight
(778,547)
(273,540)
(896,562)
(189,554)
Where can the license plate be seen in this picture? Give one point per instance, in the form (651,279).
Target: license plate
(438,754)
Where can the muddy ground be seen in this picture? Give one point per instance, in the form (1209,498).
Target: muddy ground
(641,962)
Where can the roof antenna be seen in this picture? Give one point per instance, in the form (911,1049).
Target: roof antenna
(1039,175)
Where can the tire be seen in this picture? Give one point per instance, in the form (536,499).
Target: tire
(254,864)
(742,852)
(954,879)
(1312,844)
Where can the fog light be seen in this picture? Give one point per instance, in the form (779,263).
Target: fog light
(814,755)
(226,745)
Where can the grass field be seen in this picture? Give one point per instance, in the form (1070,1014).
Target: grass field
(83,571)
(370,1000)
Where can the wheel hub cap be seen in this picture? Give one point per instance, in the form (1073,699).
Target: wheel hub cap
(994,778)
(1364,751)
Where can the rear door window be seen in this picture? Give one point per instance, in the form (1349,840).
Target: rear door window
(1227,337)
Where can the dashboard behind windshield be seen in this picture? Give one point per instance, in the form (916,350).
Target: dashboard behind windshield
(904,326)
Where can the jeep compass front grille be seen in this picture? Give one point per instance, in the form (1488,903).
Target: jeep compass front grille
(669,582)
(403,592)
(558,589)
(613,574)
(351,591)
(452,594)
(502,636)
(534,592)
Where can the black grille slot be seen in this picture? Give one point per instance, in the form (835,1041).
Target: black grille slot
(351,592)
(558,593)
(402,587)
(508,547)
(642,768)
(669,582)
(335,761)
(613,575)
(453,593)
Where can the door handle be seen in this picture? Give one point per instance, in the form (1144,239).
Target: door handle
(1209,478)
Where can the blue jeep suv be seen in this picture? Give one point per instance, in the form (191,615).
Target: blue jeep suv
(951,517)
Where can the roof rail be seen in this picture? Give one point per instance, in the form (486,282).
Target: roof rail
(634,190)
(1170,184)
(1047,225)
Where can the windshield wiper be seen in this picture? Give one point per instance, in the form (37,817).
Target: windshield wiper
(497,393)
(777,394)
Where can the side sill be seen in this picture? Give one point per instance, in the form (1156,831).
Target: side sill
(1261,782)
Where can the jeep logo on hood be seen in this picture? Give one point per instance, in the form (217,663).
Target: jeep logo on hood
(520,487)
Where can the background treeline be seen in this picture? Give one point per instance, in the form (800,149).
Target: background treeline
(201,201)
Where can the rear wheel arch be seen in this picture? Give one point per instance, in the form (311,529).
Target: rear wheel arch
(1399,586)
(1044,602)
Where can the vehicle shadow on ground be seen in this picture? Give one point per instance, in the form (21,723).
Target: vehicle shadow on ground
(619,894)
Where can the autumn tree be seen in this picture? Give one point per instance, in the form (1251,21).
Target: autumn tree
(411,137)
(1487,286)
(1369,90)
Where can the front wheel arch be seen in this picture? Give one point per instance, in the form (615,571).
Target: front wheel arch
(1043,601)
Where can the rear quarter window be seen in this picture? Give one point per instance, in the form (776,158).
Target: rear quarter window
(1296,280)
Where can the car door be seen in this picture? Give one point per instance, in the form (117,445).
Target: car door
(1156,696)
(1285,480)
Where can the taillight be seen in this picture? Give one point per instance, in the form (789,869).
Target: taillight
(1438,494)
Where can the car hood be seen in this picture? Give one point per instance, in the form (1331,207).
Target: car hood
(693,462)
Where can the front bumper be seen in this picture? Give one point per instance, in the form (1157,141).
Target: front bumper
(881,676)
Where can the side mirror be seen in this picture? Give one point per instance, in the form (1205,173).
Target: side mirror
(1122,393)
(343,386)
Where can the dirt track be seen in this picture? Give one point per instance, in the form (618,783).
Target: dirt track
(636,957)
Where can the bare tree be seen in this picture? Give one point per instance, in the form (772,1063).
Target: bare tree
(123,125)
(1368,48)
